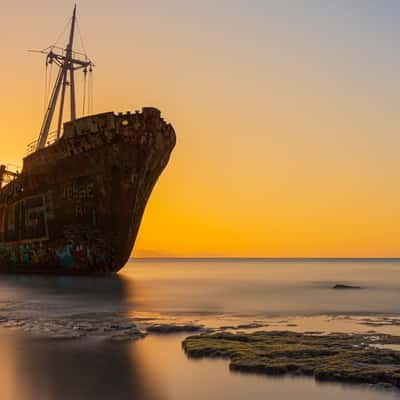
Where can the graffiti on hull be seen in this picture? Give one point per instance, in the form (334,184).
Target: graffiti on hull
(24,232)
(67,256)
(25,220)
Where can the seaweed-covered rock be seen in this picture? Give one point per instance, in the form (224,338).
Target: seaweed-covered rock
(128,335)
(335,357)
(173,328)
(253,325)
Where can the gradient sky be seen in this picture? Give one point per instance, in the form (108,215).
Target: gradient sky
(286,114)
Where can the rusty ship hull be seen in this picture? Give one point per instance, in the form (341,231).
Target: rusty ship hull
(77,204)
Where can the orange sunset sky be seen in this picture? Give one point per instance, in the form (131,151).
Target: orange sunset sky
(286,114)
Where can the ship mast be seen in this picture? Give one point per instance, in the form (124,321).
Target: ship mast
(68,62)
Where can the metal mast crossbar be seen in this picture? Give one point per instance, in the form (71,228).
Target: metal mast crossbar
(69,62)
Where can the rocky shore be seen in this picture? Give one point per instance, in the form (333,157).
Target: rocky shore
(361,358)
(348,358)
(174,328)
(114,328)
(109,326)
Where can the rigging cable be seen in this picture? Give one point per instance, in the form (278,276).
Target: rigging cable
(84,90)
(92,107)
(81,37)
(90,101)
(63,31)
(88,83)
(50,80)
(45,87)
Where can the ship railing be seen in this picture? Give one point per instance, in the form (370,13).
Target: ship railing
(51,138)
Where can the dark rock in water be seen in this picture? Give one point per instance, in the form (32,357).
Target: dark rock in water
(132,334)
(385,386)
(340,357)
(227,327)
(253,325)
(173,328)
(346,287)
(378,322)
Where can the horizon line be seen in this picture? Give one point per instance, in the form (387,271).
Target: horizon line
(169,258)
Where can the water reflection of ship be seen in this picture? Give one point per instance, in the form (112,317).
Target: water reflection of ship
(84,369)
(67,294)
(79,370)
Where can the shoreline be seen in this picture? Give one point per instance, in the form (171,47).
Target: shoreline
(181,336)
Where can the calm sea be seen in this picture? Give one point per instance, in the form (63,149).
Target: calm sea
(287,295)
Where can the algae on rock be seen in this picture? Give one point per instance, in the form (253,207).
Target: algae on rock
(335,357)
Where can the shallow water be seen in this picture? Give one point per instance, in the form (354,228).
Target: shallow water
(216,287)
(152,369)
(259,287)
(282,295)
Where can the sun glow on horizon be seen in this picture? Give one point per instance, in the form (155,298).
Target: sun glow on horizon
(286,117)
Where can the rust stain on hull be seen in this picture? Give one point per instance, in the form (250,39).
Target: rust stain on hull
(77,205)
